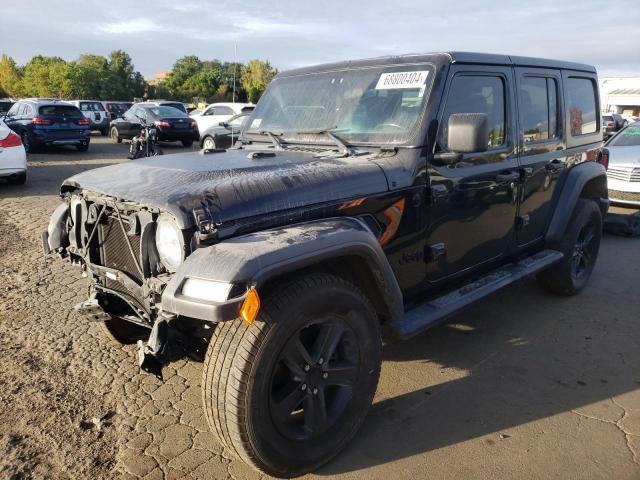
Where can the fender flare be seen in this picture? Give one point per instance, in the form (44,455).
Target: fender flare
(255,258)
(572,188)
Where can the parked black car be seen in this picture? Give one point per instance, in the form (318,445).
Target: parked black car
(365,196)
(612,123)
(46,122)
(172,125)
(225,134)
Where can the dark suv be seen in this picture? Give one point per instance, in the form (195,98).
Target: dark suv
(46,122)
(364,196)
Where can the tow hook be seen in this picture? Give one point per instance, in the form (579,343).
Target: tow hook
(164,344)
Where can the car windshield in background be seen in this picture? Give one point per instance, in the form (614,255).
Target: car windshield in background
(379,105)
(67,110)
(165,111)
(629,137)
(118,108)
(178,106)
(91,107)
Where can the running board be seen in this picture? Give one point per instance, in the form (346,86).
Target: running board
(435,311)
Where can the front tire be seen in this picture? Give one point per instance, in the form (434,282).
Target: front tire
(287,393)
(27,143)
(19,179)
(115,136)
(580,247)
(208,143)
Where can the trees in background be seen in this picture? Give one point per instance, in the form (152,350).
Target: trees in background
(114,78)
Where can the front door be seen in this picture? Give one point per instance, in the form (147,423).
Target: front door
(542,152)
(474,201)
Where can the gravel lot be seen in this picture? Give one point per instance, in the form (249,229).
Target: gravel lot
(523,385)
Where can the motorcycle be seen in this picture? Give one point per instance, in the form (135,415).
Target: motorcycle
(145,144)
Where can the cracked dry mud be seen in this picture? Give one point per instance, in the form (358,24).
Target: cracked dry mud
(523,385)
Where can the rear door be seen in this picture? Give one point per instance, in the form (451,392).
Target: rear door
(473,206)
(541,146)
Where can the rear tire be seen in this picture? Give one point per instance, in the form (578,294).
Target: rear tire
(83,148)
(187,143)
(580,247)
(115,136)
(287,393)
(19,179)
(27,143)
(122,332)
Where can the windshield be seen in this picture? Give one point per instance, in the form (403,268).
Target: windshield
(167,112)
(379,105)
(629,137)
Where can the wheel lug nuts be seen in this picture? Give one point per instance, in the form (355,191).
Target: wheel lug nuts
(320,361)
(325,375)
(315,390)
(307,368)
(303,387)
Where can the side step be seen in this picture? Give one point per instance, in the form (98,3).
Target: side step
(435,311)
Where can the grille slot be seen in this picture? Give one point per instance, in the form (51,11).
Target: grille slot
(116,253)
(625,174)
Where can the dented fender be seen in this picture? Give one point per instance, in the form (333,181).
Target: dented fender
(253,259)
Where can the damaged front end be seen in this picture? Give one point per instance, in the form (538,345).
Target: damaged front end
(114,244)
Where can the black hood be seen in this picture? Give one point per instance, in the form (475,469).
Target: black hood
(231,185)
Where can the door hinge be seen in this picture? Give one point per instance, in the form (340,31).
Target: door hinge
(522,221)
(434,252)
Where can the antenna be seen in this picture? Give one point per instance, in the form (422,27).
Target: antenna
(235,66)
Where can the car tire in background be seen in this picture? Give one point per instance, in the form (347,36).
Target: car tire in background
(187,143)
(19,179)
(115,135)
(288,392)
(104,132)
(83,147)
(208,143)
(27,143)
(580,246)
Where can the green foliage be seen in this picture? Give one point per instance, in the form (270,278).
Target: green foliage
(255,78)
(115,78)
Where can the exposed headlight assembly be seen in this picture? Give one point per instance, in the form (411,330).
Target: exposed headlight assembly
(169,242)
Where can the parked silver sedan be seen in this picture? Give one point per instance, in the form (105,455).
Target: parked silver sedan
(623,173)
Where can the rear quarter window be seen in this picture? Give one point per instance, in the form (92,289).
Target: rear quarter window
(91,107)
(581,96)
(68,110)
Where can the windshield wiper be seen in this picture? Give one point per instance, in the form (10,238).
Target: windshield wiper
(345,150)
(274,138)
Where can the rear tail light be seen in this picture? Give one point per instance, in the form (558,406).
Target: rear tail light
(162,124)
(83,121)
(610,124)
(41,121)
(193,124)
(603,158)
(12,140)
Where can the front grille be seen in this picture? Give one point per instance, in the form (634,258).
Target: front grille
(624,196)
(115,250)
(626,174)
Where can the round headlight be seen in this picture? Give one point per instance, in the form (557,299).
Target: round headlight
(170,243)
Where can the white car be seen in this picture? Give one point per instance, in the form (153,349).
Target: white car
(218,112)
(13,158)
(97,114)
(623,172)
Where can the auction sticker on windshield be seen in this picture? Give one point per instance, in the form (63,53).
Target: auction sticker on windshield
(395,80)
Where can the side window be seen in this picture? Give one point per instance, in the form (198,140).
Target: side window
(581,100)
(477,94)
(28,111)
(224,111)
(141,113)
(209,111)
(13,111)
(84,107)
(538,108)
(23,110)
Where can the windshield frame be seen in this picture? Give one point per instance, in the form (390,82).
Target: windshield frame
(290,138)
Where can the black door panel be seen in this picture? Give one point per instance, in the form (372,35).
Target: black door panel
(474,201)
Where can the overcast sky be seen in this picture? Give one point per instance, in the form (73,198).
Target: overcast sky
(294,33)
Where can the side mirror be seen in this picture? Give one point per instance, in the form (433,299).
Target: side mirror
(466,133)
(223,124)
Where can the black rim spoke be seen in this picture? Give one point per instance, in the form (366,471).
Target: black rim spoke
(296,356)
(342,374)
(315,412)
(588,238)
(327,341)
(289,402)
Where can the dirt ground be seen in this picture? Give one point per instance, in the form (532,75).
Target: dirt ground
(523,385)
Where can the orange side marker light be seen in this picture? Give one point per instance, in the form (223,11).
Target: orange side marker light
(250,306)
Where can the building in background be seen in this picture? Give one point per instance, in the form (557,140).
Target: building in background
(157,77)
(620,95)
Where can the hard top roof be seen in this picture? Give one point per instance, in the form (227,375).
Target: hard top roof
(446,57)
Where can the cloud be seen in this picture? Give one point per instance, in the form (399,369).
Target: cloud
(141,25)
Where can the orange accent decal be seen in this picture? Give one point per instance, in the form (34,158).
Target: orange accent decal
(394,214)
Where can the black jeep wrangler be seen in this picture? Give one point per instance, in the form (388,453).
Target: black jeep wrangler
(368,196)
